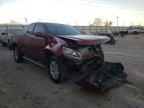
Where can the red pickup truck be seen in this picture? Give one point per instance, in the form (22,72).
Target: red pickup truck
(58,47)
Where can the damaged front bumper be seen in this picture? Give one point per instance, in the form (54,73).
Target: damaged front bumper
(108,76)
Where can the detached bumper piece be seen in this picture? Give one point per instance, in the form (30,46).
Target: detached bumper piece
(108,76)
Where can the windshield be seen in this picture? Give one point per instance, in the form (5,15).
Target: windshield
(61,29)
(15,31)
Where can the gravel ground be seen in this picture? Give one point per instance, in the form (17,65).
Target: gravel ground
(27,85)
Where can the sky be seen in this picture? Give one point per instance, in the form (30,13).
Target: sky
(73,12)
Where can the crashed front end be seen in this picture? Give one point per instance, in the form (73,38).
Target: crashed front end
(97,74)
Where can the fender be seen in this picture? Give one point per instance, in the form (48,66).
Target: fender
(54,45)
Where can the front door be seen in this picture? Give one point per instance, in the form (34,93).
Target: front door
(39,43)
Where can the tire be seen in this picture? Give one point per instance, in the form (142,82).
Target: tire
(135,32)
(18,56)
(57,70)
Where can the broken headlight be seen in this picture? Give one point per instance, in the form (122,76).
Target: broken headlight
(70,53)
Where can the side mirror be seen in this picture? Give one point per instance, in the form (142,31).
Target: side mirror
(40,34)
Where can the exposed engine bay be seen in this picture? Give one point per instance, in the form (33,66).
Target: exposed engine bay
(90,51)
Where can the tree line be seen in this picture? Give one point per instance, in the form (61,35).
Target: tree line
(100,22)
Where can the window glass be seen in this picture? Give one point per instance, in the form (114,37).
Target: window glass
(30,29)
(39,28)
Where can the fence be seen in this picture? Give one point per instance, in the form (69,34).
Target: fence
(100,29)
(5,27)
(90,29)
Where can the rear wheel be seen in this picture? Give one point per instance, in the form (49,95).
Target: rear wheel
(18,56)
(57,70)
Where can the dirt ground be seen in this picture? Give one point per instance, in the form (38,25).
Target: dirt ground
(27,85)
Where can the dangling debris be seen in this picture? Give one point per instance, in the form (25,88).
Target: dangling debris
(109,75)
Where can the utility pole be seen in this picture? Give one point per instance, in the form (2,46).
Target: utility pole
(117,20)
(25,20)
(117,24)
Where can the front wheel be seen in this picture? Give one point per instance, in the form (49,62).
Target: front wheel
(57,69)
(18,56)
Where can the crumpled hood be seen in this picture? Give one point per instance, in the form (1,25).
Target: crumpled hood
(86,39)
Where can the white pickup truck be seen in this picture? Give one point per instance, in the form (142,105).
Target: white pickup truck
(7,34)
(135,30)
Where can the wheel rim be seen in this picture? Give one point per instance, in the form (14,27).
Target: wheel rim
(15,54)
(54,70)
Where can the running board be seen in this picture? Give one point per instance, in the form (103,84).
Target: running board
(32,61)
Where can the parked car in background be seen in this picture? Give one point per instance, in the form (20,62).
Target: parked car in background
(84,33)
(141,29)
(135,30)
(110,35)
(59,47)
(7,34)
